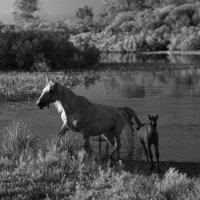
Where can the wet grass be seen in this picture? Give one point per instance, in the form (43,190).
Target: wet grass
(62,170)
(26,86)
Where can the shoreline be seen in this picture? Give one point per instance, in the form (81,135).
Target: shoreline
(192,169)
(192,52)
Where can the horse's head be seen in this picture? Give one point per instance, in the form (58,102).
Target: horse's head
(153,120)
(49,95)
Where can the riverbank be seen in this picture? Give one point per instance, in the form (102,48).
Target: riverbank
(191,169)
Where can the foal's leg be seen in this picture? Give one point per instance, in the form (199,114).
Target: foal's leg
(157,157)
(151,157)
(146,153)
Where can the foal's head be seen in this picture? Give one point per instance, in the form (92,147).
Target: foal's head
(153,120)
(49,95)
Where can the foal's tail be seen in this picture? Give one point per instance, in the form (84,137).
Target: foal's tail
(129,115)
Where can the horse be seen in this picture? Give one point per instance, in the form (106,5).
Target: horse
(81,115)
(148,135)
(130,114)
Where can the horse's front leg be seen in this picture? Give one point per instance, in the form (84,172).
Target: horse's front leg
(86,143)
(71,126)
(63,130)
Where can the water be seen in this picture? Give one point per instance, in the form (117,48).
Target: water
(157,57)
(171,92)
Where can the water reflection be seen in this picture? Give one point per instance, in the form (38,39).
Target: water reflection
(141,84)
(151,58)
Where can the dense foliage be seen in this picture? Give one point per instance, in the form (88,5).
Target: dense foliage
(165,26)
(43,50)
(26,11)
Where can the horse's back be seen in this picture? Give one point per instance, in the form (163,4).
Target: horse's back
(102,118)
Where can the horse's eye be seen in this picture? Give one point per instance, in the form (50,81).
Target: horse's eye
(50,91)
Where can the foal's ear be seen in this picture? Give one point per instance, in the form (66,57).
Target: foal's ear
(156,117)
(149,116)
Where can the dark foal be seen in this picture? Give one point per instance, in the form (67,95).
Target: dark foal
(148,135)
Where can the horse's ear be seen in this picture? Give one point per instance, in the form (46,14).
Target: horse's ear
(149,116)
(156,117)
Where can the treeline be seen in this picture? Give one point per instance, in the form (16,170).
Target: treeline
(33,44)
(41,50)
(133,26)
(121,26)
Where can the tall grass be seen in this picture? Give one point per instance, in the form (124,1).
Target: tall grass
(63,171)
(19,141)
(23,86)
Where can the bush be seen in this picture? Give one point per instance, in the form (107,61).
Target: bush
(186,39)
(18,142)
(41,50)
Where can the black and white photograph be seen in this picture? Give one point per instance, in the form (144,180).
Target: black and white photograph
(99,99)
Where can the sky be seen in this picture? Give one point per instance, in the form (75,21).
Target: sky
(52,9)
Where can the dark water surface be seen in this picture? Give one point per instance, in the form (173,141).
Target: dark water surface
(172,93)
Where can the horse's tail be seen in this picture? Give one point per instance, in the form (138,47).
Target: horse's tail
(131,114)
(127,137)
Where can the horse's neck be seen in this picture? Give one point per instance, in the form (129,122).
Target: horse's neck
(69,100)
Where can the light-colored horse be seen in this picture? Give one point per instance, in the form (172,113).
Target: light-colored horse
(148,135)
(79,114)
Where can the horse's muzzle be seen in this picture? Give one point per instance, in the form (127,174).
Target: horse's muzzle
(40,105)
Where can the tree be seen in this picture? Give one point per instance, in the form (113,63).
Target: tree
(26,11)
(111,8)
(84,13)
(82,21)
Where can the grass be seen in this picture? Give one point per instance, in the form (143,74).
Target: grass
(62,170)
(26,86)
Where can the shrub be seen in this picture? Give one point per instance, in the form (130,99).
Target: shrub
(186,39)
(174,27)
(41,50)
(18,142)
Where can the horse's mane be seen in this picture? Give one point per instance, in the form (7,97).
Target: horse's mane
(75,100)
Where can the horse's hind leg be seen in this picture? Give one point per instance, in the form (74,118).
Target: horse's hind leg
(117,148)
(114,141)
(157,157)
